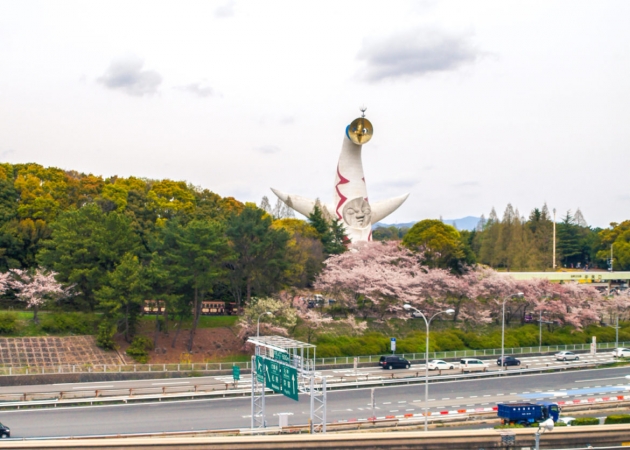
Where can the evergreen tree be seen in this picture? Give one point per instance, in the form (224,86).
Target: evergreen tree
(331,234)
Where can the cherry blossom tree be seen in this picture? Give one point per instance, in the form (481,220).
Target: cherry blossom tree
(283,316)
(379,276)
(4,281)
(36,287)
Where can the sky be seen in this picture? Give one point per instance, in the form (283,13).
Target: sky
(474,104)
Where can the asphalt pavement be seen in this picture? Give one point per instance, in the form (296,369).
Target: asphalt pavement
(345,404)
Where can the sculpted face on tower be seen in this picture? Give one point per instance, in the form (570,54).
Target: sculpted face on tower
(357,213)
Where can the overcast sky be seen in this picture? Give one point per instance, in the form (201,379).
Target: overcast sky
(474,104)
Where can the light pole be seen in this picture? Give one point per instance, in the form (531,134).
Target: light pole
(518,295)
(540,322)
(258,326)
(426,364)
(554,239)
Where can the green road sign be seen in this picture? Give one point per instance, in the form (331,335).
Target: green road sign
(236,373)
(278,377)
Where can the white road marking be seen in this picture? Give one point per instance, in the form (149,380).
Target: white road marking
(387,403)
(170,382)
(600,379)
(93,387)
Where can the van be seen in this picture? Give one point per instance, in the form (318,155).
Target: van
(472,364)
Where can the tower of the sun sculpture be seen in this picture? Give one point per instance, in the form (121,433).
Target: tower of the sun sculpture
(350,199)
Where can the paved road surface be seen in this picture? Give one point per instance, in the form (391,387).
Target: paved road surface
(219,382)
(342,405)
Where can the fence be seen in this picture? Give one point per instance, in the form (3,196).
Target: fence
(339,360)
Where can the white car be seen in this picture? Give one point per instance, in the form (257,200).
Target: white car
(566,420)
(438,364)
(621,352)
(567,356)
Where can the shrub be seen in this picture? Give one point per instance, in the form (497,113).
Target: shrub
(585,421)
(73,322)
(617,418)
(105,336)
(560,424)
(139,349)
(501,427)
(8,322)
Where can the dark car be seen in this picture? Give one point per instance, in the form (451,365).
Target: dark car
(4,431)
(509,361)
(393,362)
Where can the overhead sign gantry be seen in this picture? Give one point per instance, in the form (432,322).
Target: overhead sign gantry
(287,367)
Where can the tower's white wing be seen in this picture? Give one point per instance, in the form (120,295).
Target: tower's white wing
(301,204)
(384,208)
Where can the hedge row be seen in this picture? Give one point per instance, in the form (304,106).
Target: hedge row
(374,343)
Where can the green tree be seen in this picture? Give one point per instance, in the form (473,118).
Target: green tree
(305,252)
(86,244)
(617,236)
(259,254)
(442,244)
(196,254)
(331,234)
(123,294)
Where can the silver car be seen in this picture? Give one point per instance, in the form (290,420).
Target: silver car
(567,356)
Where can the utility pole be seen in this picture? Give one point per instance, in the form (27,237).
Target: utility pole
(554,239)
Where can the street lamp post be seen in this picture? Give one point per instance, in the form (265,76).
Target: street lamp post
(518,295)
(426,363)
(258,326)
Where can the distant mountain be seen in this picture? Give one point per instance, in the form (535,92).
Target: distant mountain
(465,223)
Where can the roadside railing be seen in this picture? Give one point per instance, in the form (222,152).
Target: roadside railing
(319,362)
(110,394)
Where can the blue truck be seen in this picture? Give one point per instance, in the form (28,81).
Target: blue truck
(527,413)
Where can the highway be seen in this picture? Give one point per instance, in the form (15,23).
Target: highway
(343,405)
(219,382)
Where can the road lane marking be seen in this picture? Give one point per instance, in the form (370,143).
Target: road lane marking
(170,382)
(387,403)
(599,379)
(93,387)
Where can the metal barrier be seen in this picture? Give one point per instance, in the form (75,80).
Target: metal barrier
(127,395)
(340,360)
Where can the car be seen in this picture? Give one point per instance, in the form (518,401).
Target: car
(566,420)
(567,356)
(438,364)
(621,352)
(394,362)
(5,432)
(509,361)
(472,364)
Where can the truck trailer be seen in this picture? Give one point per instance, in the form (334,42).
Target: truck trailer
(527,413)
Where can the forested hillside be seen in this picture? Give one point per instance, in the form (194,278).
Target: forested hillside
(112,243)
(517,243)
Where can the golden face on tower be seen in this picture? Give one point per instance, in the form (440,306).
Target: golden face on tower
(360,131)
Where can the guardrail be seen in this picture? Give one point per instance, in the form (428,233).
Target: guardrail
(127,395)
(332,361)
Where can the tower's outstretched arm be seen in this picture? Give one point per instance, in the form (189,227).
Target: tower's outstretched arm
(301,204)
(384,208)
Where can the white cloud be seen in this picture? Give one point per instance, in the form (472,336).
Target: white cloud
(198,89)
(225,10)
(415,52)
(268,149)
(126,74)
